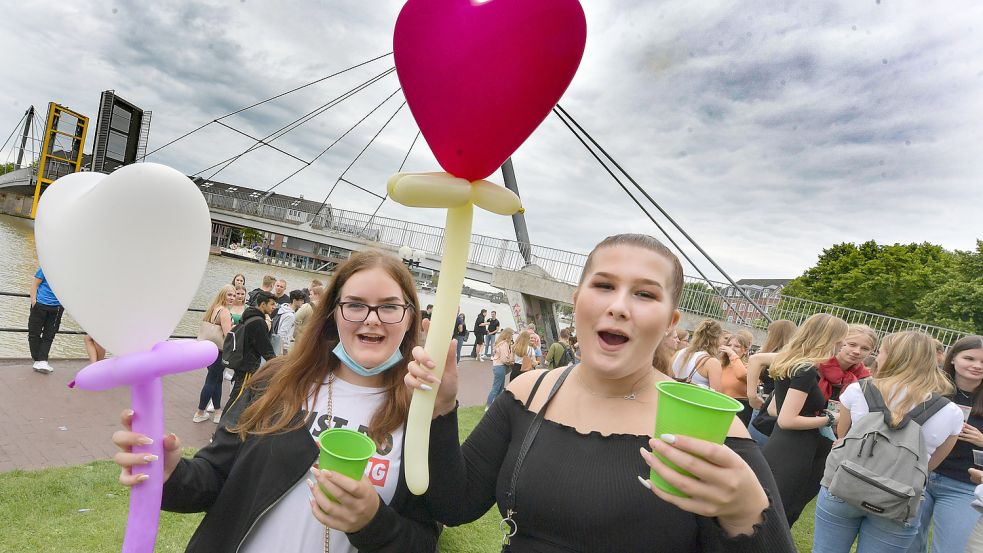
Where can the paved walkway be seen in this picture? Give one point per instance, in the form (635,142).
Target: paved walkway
(46,424)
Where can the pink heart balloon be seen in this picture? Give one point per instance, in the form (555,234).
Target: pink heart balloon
(480,76)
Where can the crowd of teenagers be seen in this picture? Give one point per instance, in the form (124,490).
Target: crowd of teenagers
(565,451)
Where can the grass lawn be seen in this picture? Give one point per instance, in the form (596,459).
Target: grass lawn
(83,509)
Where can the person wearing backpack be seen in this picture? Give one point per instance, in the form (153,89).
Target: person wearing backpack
(283,325)
(895,428)
(950,491)
(252,342)
(560,353)
(218,321)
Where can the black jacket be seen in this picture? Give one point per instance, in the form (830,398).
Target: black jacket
(236,481)
(257,341)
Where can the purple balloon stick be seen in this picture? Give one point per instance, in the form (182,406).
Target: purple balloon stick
(143,371)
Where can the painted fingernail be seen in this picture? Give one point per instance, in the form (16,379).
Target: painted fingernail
(310,484)
(327,473)
(127,412)
(645,453)
(315,472)
(668,438)
(644,482)
(426,387)
(143,477)
(145,441)
(150,458)
(430,364)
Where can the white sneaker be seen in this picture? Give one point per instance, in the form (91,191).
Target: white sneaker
(37,365)
(227,374)
(199,418)
(217,418)
(210,408)
(44,367)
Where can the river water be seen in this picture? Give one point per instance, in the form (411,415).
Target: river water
(19,261)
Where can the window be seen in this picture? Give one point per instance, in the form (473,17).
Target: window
(254,195)
(730,318)
(207,185)
(741,307)
(232,188)
(120,120)
(116,147)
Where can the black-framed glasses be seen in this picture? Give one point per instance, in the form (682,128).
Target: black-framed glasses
(388,313)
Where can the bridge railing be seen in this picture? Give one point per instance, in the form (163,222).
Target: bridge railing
(699,297)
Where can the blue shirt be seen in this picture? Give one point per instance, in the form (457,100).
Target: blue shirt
(45,295)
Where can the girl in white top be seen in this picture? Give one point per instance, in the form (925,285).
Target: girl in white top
(907,375)
(698,363)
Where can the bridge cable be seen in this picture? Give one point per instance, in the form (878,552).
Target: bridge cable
(645,211)
(12,133)
(350,165)
(666,215)
(401,165)
(324,151)
(384,125)
(187,134)
(289,127)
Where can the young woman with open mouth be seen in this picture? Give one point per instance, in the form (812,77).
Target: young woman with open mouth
(577,487)
(256,479)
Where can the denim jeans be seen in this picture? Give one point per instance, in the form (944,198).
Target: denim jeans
(947,507)
(838,524)
(498,383)
(212,389)
(757,436)
(460,344)
(489,343)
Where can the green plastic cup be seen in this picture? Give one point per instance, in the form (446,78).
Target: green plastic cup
(690,410)
(345,452)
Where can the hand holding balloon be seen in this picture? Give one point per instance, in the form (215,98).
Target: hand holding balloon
(419,376)
(126,440)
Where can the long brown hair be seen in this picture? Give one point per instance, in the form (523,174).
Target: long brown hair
(287,381)
(521,346)
(779,334)
(706,338)
(218,301)
(949,367)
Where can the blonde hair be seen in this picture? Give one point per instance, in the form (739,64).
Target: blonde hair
(746,339)
(779,334)
(218,301)
(504,335)
(910,373)
(863,330)
(811,344)
(521,347)
(269,280)
(706,338)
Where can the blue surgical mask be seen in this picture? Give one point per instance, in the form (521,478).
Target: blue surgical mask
(352,364)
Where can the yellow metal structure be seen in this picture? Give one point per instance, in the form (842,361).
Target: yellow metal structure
(52,132)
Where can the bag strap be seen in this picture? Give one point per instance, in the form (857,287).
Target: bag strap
(875,401)
(696,367)
(532,393)
(508,525)
(926,410)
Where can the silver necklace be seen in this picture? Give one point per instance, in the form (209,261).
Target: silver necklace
(967,395)
(630,397)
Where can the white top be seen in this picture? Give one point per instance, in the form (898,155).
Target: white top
(680,371)
(289,525)
(530,352)
(285,328)
(948,421)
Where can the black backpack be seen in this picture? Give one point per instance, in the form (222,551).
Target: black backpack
(567,358)
(275,321)
(234,346)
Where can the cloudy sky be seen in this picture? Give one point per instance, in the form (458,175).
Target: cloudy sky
(769,130)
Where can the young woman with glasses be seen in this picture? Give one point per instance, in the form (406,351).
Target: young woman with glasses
(256,480)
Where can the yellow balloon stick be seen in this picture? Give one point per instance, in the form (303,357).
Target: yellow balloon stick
(457,238)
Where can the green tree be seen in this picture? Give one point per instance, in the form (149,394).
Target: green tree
(958,303)
(6,168)
(251,236)
(922,282)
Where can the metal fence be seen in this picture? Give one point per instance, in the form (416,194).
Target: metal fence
(699,296)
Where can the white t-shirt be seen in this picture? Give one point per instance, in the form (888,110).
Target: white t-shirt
(289,525)
(948,421)
(530,352)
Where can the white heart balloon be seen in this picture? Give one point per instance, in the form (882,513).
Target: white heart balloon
(125,252)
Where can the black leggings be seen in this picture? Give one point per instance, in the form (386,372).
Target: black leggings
(798,460)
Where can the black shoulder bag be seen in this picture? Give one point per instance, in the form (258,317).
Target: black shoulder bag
(508,526)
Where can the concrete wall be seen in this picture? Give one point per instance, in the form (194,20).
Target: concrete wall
(15,204)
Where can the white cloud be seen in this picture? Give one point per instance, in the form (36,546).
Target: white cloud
(769,130)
